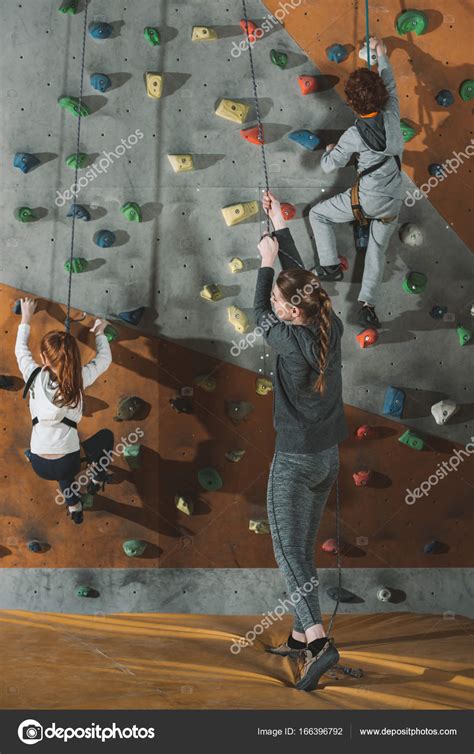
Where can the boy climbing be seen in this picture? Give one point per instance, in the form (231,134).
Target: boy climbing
(376,198)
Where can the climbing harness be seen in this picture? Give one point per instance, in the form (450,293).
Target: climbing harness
(35,420)
(359,215)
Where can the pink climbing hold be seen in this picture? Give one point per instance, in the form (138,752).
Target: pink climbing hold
(344,262)
(366,432)
(308,84)
(330,545)
(361,478)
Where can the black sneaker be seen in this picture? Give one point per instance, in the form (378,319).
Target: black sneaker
(367,317)
(331,273)
(76,516)
(312,667)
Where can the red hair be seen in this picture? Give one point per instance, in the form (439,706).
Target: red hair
(64,364)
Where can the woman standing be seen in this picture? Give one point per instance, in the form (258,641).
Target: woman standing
(309,420)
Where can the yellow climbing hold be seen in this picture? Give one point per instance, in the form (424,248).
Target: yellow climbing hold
(236,265)
(203,34)
(263,385)
(184,504)
(238,319)
(181,163)
(259,527)
(206,381)
(211,292)
(232,110)
(154,85)
(236,213)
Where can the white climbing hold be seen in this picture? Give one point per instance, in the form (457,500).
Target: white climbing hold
(236,213)
(211,292)
(233,110)
(259,527)
(384,594)
(444,410)
(154,85)
(203,34)
(411,235)
(236,265)
(263,385)
(181,163)
(363,55)
(238,319)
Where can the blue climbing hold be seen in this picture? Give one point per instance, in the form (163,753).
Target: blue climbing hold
(25,161)
(133,317)
(438,312)
(34,546)
(394,402)
(77,210)
(433,548)
(100,30)
(28,455)
(436,170)
(337,53)
(101,82)
(445,98)
(306,139)
(105,239)
(16,308)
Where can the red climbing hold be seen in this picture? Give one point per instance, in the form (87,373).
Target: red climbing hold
(361,478)
(308,84)
(366,432)
(253,135)
(330,545)
(288,210)
(367,338)
(249,29)
(344,262)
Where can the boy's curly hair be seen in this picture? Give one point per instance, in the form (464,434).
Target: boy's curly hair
(365,91)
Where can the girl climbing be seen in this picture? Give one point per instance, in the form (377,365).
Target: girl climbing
(309,422)
(56,403)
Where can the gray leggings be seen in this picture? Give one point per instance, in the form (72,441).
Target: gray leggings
(298,488)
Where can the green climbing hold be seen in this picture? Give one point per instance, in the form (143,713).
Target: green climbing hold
(79,160)
(84,591)
(77,264)
(111,333)
(464,335)
(466,90)
(132,454)
(134,548)
(279,58)
(68,6)
(132,212)
(415,282)
(25,214)
(413,441)
(87,500)
(412,21)
(71,104)
(209,479)
(152,36)
(408,132)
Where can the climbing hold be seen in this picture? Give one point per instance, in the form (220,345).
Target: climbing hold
(263,385)
(436,170)
(78,160)
(336,53)
(233,110)
(308,84)
(412,21)
(16,308)
(111,333)
(237,411)
(412,440)
(78,211)
(408,132)
(330,545)
(234,456)
(203,34)
(25,161)
(134,548)
(366,432)
(211,292)
(472,310)
(132,212)
(181,163)
(133,456)
(84,591)
(71,104)
(100,30)
(76,264)
(433,548)
(444,410)
(154,85)
(384,594)
(249,28)
(438,312)
(238,319)
(68,6)
(6,383)
(132,317)
(152,35)
(344,263)
(415,282)
(361,478)
(25,214)
(288,210)
(101,82)
(344,594)
(394,401)
(260,526)
(87,500)
(253,135)
(367,338)
(207,382)
(129,407)
(184,504)
(363,55)
(279,58)
(464,335)
(209,479)
(445,98)
(237,213)
(105,239)
(35,546)
(306,139)
(466,90)
(236,265)
(411,235)
(182,405)
(361,236)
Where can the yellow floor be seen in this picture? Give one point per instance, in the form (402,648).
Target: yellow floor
(173,661)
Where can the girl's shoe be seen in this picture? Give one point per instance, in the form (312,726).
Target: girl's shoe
(332,273)
(312,667)
(76,516)
(367,317)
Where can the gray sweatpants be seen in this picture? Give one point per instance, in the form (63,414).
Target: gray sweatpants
(337,209)
(298,488)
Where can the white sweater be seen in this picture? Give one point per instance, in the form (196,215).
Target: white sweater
(49,436)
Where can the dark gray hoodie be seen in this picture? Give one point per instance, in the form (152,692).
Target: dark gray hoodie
(305,421)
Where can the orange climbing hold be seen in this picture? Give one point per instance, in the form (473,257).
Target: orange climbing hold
(253,135)
(308,84)
(367,338)
(249,29)
(288,210)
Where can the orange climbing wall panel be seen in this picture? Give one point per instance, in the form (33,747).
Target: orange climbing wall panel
(439,59)
(140,505)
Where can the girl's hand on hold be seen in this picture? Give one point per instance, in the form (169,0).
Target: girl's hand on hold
(272,208)
(98,327)
(268,248)
(28,308)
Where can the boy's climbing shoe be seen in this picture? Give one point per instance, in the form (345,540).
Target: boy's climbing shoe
(311,667)
(96,485)
(332,272)
(76,516)
(367,317)
(284,650)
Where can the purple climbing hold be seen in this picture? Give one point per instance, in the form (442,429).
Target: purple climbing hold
(133,317)
(25,161)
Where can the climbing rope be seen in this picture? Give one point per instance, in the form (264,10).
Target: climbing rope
(367,32)
(76,170)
